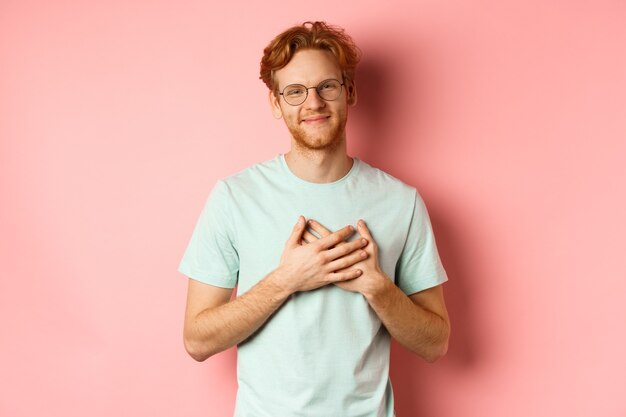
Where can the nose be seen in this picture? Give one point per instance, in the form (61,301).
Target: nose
(313,100)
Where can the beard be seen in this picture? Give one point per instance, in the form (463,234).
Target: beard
(328,140)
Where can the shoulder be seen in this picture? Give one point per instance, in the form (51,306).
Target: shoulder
(393,187)
(251,177)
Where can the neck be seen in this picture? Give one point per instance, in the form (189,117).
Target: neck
(319,165)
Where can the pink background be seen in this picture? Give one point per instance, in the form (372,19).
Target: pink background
(117,117)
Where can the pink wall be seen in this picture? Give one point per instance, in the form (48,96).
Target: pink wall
(117,117)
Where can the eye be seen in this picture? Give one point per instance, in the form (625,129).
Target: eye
(294,91)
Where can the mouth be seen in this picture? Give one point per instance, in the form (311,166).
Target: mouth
(315,119)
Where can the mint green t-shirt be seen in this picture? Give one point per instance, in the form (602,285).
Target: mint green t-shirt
(323,352)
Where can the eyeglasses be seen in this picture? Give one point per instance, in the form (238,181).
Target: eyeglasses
(296,94)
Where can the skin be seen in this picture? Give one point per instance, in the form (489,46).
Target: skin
(420,322)
(214,323)
(318,146)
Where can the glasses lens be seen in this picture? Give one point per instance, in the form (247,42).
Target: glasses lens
(329,89)
(295,94)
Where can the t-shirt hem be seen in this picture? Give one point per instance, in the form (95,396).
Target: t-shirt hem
(424,285)
(208,278)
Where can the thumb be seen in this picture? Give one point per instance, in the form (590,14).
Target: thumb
(296,234)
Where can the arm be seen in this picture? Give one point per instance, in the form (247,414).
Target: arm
(213,323)
(419,322)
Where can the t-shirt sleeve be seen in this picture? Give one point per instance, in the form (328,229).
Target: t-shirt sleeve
(211,256)
(419,266)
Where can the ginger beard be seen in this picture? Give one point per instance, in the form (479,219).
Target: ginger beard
(329,138)
(311,67)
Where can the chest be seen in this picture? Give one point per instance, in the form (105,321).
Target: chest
(264,222)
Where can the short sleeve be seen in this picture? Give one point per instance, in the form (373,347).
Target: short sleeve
(211,256)
(419,266)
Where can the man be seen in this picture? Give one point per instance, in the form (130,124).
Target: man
(316,301)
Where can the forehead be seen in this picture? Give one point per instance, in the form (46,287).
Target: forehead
(308,67)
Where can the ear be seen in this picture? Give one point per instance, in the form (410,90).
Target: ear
(277,112)
(351,91)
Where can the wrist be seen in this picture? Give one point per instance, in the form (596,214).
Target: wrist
(378,288)
(278,279)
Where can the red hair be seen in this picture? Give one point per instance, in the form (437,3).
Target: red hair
(309,35)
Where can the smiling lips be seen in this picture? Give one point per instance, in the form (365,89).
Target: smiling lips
(315,119)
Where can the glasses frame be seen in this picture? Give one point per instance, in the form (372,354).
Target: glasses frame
(317,90)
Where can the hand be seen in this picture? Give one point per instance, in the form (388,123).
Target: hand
(372,272)
(306,267)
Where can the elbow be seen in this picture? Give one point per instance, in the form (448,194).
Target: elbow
(198,352)
(436,353)
(198,356)
(440,348)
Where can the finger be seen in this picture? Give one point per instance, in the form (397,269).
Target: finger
(321,230)
(344,275)
(296,233)
(346,261)
(341,250)
(309,237)
(363,230)
(336,237)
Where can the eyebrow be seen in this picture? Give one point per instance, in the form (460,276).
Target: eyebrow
(318,83)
